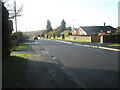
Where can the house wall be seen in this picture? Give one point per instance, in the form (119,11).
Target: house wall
(80,31)
(67,38)
(73,32)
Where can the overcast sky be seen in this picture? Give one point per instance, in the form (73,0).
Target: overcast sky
(83,12)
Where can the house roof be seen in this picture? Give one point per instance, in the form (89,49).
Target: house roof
(97,29)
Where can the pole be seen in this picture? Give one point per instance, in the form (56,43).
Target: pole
(73,24)
(15,15)
(16,21)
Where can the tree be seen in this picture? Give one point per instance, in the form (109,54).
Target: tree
(13,12)
(7,28)
(19,36)
(69,28)
(63,25)
(117,31)
(12,9)
(48,27)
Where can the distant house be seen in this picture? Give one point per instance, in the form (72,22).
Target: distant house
(73,32)
(80,31)
(93,30)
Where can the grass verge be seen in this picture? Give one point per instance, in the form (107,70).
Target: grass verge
(118,45)
(14,68)
(20,47)
(72,40)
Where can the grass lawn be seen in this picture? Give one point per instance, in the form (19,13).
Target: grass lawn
(20,47)
(118,45)
(14,67)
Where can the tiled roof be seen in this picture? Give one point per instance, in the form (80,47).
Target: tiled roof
(97,29)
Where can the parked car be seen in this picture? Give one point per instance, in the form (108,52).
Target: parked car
(35,38)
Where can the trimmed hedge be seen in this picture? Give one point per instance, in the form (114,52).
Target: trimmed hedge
(7,28)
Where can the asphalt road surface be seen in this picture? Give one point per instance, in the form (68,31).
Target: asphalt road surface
(90,67)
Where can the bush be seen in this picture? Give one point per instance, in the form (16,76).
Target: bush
(19,37)
(7,28)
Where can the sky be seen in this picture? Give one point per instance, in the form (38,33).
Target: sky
(75,13)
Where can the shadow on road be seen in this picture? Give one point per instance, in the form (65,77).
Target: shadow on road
(47,74)
(42,74)
(95,78)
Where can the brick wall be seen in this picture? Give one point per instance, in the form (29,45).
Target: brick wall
(84,38)
(67,38)
(81,38)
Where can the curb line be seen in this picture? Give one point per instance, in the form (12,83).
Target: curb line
(106,48)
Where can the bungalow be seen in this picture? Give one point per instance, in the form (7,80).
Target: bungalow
(93,30)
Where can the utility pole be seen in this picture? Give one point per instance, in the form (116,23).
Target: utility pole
(15,15)
(14,12)
(73,23)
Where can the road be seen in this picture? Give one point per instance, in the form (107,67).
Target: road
(90,67)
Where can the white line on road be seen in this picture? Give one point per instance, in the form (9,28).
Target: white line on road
(35,42)
(43,51)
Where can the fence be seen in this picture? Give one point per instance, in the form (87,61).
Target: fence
(110,39)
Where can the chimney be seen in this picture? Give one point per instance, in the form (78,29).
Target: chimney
(104,23)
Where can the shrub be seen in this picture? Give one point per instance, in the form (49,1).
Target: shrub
(7,28)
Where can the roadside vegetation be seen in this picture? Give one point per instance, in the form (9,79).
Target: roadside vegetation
(20,47)
(72,40)
(14,68)
(117,45)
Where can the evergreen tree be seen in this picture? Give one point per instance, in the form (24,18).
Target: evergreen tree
(48,27)
(63,25)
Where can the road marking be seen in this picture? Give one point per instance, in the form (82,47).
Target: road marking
(54,57)
(43,51)
(35,42)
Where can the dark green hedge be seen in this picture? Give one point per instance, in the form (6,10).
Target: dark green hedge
(7,27)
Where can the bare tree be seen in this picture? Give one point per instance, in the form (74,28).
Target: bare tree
(12,9)
(13,12)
